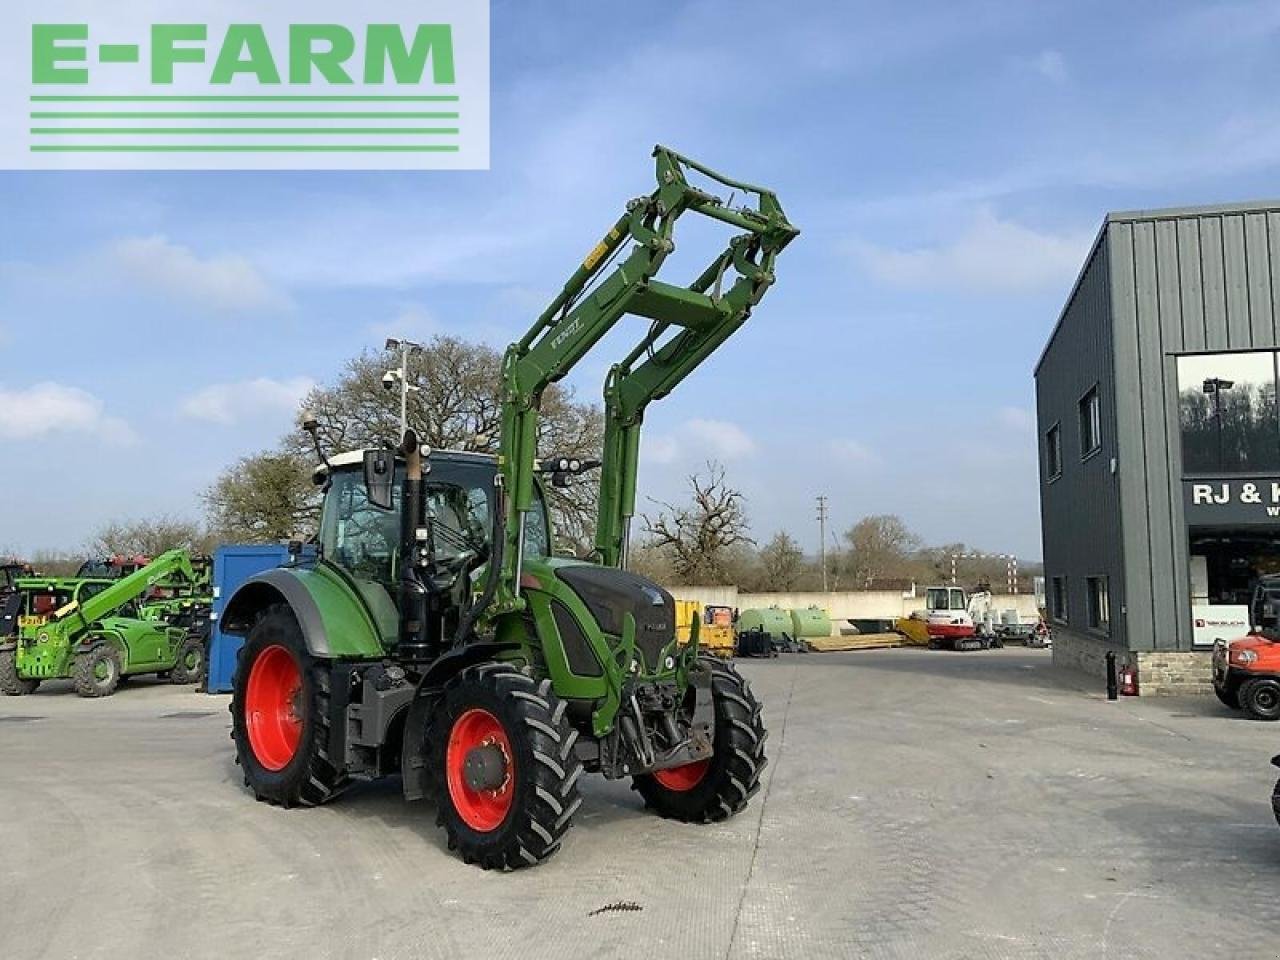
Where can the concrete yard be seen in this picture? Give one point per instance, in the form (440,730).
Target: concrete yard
(916,805)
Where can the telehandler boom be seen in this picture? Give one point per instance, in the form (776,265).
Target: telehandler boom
(436,635)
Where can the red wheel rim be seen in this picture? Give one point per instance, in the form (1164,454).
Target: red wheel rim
(273,707)
(683,778)
(481,810)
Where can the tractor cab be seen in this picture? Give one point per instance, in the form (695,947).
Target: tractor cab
(1246,672)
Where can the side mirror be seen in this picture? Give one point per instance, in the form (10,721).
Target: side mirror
(379,477)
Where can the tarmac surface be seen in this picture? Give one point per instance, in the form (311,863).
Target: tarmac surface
(917,805)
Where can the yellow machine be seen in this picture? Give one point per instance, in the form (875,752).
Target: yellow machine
(715,633)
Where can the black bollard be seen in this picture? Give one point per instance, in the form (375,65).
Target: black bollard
(1113,690)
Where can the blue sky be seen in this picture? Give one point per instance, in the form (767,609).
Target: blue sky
(948,162)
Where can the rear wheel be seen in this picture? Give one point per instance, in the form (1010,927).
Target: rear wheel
(280,715)
(12,685)
(504,770)
(97,673)
(720,786)
(190,662)
(1260,698)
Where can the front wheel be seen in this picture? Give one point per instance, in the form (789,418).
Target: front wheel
(190,663)
(1260,698)
(503,767)
(280,715)
(97,673)
(720,786)
(12,685)
(1228,697)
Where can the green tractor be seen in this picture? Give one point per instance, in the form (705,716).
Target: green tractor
(437,636)
(87,630)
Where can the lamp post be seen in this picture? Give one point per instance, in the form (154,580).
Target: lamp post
(1213,386)
(407,348)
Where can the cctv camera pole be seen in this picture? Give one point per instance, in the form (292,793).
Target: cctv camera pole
(406,347)
(404,388)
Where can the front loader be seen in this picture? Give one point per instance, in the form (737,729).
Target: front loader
(87,630)
(436,636)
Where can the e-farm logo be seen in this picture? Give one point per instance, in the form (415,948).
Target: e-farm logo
(402,92)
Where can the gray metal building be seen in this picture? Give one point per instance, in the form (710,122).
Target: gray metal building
(1160,439)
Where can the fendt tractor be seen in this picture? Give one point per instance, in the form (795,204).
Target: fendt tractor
(87,630)
(437,636)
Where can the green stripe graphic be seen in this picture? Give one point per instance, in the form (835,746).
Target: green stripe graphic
(103,98)
(47,131)
(244,148)
(272,115)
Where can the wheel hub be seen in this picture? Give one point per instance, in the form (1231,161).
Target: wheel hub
(485,767)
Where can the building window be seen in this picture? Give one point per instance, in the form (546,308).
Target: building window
(1099,604)
(1053,452)
(1227,413)
(1090,423)
(1058,599)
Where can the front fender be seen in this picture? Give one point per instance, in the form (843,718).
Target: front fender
(335,621)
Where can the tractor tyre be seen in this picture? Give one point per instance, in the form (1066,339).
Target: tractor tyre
(1229,697)
(280,715)
(190,664)
(1260,698)
(1275,801)
(720,786)
(97,673)
(12,685)
(504,772)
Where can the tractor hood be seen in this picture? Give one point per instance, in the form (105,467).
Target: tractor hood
(610,594)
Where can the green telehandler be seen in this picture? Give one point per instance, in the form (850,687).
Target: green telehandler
(437,636)
(86,629)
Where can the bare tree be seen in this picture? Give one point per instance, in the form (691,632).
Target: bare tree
(699,534)
(880,546)
(149,537)
(457,406)
(781,563)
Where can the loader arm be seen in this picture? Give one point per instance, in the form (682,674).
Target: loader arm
(79,615)
(694,321)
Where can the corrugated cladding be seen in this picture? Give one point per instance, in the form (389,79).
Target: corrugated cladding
(1080,509)
(1157,284)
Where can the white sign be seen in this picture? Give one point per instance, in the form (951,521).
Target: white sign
(241,84)
(1212,622)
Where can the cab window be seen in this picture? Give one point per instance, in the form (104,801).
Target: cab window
(357,535)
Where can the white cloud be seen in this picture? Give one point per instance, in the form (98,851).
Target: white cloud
(853,452)
(992,255)
(1017,419)
(659,449)
(225,281)
(47,408)
(720,439)
(1051,65)
(413,322)
(228,403)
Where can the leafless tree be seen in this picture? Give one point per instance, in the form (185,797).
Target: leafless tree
(457,406)
(880,547)
(700,534)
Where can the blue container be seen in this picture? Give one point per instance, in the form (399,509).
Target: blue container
(233,564)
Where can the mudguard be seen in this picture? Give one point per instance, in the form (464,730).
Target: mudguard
(335,620)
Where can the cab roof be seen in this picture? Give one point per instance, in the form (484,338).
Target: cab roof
(355,458)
